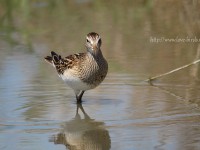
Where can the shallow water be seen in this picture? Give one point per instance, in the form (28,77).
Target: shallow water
(37,110)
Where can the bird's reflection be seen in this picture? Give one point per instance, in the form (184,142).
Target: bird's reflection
(83,133)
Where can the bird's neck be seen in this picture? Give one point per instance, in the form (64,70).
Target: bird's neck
(96,55)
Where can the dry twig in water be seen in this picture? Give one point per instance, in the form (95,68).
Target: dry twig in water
(172,71)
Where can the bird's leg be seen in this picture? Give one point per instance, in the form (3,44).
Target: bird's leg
(79,96)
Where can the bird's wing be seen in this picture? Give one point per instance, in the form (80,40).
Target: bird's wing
(61,64)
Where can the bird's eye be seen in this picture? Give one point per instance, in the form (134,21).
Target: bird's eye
(99,42)
(87,40)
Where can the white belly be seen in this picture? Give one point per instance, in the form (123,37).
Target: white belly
(74,82)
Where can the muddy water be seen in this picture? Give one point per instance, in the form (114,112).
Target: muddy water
(140,40)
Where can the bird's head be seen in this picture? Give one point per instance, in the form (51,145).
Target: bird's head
(93,43)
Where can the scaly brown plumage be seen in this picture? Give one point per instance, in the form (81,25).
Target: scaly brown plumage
(82,71)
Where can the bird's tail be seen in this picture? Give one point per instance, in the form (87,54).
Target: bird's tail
(54,59)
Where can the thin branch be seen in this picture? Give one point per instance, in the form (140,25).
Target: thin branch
(172,71)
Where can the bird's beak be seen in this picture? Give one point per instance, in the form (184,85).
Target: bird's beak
(95,47)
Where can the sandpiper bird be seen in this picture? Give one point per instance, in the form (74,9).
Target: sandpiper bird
(82,71)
